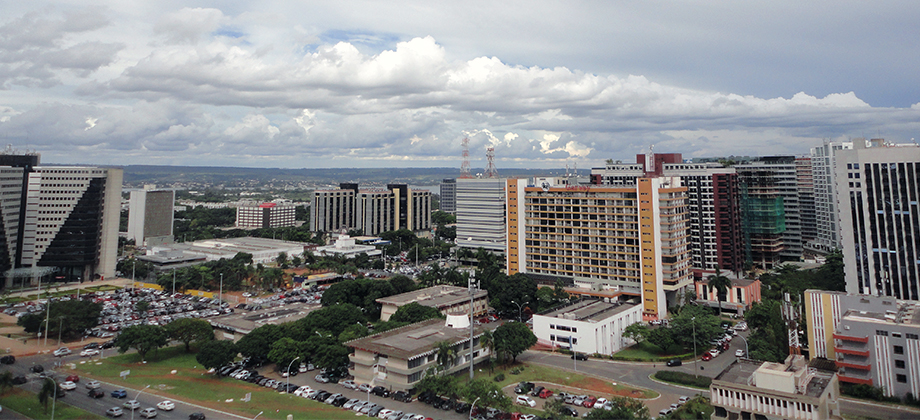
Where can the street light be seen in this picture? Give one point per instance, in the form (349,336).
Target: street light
(520,311)
(472,406)
(695,362)
(53,400)
(289,373)
(60,328)
(746,354)
(220,295)
(135,400)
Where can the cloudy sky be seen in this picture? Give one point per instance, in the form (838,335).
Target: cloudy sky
(400,83)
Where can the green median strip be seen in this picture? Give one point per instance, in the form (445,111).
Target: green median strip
(26,403)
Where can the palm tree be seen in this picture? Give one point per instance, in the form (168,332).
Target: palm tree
(721,284)
(46,392)
(445,354)
(488,342)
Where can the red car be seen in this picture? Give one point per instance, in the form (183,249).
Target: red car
(706,357)
(73,378)
(589,402)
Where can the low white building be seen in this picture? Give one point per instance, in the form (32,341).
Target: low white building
(345,245)
(592,326)
(263,250)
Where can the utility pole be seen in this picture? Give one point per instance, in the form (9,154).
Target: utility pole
(472,279)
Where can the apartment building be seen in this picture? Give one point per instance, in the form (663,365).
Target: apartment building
(371,211)
(481,213)
(804,174)
(713,206)
(749,389)
(823,164)
(448,195)
(629,238)
(771,221)
(265,215)
(878,186)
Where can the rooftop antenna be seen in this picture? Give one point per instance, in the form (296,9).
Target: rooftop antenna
(465,166)
(491,170)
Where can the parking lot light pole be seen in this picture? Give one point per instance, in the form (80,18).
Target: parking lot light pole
(135,400)
(695,362)
(289,373)
(53,400)
(220,295)
(472,406)
(520,311)
(746,354)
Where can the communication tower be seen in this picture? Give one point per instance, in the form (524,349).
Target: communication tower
(491,170)
(465,166)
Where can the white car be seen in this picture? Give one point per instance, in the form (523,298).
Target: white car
(739,353)
(349,384)
(525,400)
(148,413)
(600,403)
(89,353)
(385,413)
(364,387)
(131,405)
(714,352)
(310,394)
(166,405)
(63,351)
(351,403)
(302,390)
(93,384)
(683,400)
(68,386)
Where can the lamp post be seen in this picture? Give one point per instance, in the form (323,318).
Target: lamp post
(746,354)
(61,328)
(695,362)
(220,294)
(47,317)
(135,400)
(289,372)
(520,311)
(472,406)
(133,266)
(53,400)
(574,354)
(174,281)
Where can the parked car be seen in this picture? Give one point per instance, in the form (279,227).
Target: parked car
(321,378)
(349,384)
(568,411)
(525,400)
(739,353)
(523,387)
(364,387)
(706,357)
(402,396)
(580,356)
(545,393)
(589,402)
(714,352)
(61,352)
(683,400)
(380,391)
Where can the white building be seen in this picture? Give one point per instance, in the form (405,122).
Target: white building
(263,250)
(265,215)
(823,162)
(591,326)
(345,245)
(481,221)
(878,193)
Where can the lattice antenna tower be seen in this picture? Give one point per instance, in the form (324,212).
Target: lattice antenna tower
(465,166)
(491,170)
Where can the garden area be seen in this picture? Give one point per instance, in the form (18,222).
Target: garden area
(26,403)
(522,372)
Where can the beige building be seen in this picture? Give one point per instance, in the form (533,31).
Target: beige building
(397,359)
(447,299)
(752,390)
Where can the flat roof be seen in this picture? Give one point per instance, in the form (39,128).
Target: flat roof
(413,341)
(435,296)
(741,370)
(591,310)
(244,322)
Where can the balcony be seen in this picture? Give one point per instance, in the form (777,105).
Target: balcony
(863,353)
(853,365)
(863,340)
(854,380)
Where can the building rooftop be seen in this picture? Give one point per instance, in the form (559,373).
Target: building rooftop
(907,313)
(413,341)
(792,374)
(245,321)
(435,296)
(590,310)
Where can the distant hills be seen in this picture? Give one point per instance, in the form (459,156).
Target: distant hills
(230,177)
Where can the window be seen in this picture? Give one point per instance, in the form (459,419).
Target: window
(899,364)
(881,332)
(898,349)
(912,336)
(902,378)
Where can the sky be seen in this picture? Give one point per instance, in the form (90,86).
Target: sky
(314,84)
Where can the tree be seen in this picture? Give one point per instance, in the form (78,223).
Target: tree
(332,320)
(623,408)
(216,353)
(141,307)
(258,342)
(488,393)
(80,315)
(553,409)
(142,338)
(187,330)
(48,391)
(446,353)
(6,381)
(694,322)
(286,350)
(769,337)
(415,312)
(513,338)
(402,284)
(721,284)
(439,384)
(636,332)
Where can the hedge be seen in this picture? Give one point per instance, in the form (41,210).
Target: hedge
(682,378)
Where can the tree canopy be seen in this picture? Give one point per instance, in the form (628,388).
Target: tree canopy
(362,293)
(512,339)
(142,338)
(187,330)
(77,316)
(216,353)
(415,312)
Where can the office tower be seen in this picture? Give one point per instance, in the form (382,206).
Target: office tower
(878,186)
(11,205)
(771,219)
(449,195)
(265,215)
(630,238)
(823,162)
(150,216)
(713,206)
(481,218)
(372,211)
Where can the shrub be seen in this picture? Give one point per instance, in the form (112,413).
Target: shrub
(683,378)
(500,377)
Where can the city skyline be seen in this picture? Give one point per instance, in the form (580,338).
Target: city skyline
(399,84)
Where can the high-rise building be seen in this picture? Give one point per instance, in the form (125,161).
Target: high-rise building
(806,186)
(449,195)
(265,215)
(771,217)
(481,217)
(69,223)
(150,215)
(631,238)
(823,162)
(371,211)
(878,186)
(713,206)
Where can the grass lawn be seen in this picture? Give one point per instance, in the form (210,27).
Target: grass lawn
(192,382)
(646,351)
(26,403)
(563,377)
